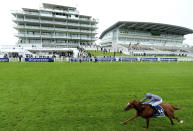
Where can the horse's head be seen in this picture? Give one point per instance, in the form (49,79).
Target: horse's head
(131,104)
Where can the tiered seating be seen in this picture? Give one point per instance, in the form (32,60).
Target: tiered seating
(167,48)
(156,50)
(136,47)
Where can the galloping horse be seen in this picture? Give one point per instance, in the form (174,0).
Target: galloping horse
(146,111)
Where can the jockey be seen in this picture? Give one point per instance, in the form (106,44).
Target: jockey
(154,100)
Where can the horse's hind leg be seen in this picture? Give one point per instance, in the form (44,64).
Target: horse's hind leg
(170,116)
(180,121)
(171,121)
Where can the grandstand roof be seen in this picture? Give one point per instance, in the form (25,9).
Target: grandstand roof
(54,6)
(150,27)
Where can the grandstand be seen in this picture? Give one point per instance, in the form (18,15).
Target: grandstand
(137,38)
(53,30)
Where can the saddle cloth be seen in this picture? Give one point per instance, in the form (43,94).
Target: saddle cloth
(160,112)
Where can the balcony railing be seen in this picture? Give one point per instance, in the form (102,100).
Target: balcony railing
(18,19)
(19,26)
(51,36)
(44,14)
(31,13)
(32,20)
(60,23)
(55,23)
(47,28)
(46,21)
(28,35)
(73,24)
(57,16)
(54,29)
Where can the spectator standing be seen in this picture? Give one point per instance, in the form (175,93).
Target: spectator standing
(20,56)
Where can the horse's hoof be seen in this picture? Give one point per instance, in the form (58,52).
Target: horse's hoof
(123,123)
(181,121)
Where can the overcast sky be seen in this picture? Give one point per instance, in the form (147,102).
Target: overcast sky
(108,12)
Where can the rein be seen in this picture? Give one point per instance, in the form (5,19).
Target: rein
(138,107)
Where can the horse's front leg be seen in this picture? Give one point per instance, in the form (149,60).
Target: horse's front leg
(147,123)
(125,122)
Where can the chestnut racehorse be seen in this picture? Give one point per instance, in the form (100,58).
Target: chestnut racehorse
(146,111)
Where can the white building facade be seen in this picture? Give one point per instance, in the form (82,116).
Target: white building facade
(54,26)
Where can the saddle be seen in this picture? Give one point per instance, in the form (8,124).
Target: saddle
(158,111)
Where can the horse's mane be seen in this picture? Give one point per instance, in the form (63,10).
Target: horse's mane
(142,105)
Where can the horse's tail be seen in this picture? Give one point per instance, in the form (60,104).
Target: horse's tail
(177,108)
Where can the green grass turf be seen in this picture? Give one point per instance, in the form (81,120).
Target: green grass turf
(91,96)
